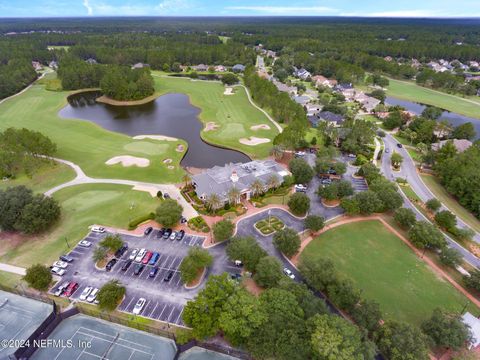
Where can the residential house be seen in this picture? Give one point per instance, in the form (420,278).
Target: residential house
(319,80)
(37,66)
(271,54)
(326,116)
(140,66)
(220,180)
(312,109)
(200,67)
(416,64)
(437,67)
(474,64)
(91,61)
(346,89)
(473,324)
(291,90)
(53,64)
(460,144)
(238,68)
(368,103)
(302,73)
(301,99)
(220,68)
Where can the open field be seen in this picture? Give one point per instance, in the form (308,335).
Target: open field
(441,194)
(9,279)
(82,205)
(412,92)
(84,142)
(387,271)
(233,114)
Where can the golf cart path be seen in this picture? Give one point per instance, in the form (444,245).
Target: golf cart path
(12,269)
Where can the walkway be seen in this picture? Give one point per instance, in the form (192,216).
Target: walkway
(12,269)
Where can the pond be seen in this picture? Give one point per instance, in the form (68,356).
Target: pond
(170,115)
(453,118)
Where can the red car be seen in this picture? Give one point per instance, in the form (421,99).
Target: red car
(147,257)
(71,288)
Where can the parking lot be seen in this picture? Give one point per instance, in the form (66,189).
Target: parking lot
(165,298)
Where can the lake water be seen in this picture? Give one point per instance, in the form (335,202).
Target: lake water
(453,118)
(170,115)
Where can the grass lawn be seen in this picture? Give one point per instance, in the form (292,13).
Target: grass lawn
(9,279)
(412,92)
(82,205)
(44,178)
(441,194)
(232,113)
(387,271)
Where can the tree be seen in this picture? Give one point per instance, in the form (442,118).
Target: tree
(433,205)
(318,273)
(277,151)
(405,217)
(38,277)
(368,202)
(273,181)
(223,230)
(110,295)
(247,250)
(367,315)
(401,341)
(446,330)
(432,113)
(169,212)
(450,257)
(350,206)
(445,219)
(287,241)
(229,79)
(196,260)
(425,235)
(344,294)
(233,195)
(390,199)
(396,160)
(473,281)
(299,203)
(112,242)
(38,215)
(213,202)
(99,253)
(306,299)
(301,171)
(187,179)
(268,272)
(12,202)
(257,187)
(464,131)
(314,223)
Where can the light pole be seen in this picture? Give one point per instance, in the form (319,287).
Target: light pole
(66,241)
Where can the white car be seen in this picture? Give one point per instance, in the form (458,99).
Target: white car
(57,271)
(133,254)
(387,150)
(85,293)
(299,153)
(173,235)
(93,295)
(352,156)
(61,288)
(98,229)
(289,273)
(140,255)
(300,188)
(85,243)
(60,264)
(139,306)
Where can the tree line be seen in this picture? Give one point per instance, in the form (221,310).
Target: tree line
(14,76)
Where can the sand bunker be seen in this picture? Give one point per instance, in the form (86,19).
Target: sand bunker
(211,126)
(167,161)
(260,127)
(155,137)
(127,160)
(180,148)
(252,141)
(170,167)
(150,189)
(228,91)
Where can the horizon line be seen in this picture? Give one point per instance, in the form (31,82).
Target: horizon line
(240,16)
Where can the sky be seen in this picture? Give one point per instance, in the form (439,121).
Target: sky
(380,8)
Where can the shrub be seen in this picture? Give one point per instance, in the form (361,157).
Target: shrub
(445,219)
(405,217)
(268,272)
(132,225)
(287,241)
(38,277)
(169,212)
(223,230)
(433,205)
(299,204)
(198,223)
(110,295)
(112,242)
(196,260)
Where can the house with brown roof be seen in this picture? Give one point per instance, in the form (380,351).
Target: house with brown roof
(460,144)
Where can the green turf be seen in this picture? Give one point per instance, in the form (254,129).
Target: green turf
(10,280)
(387,271)
(410,91)
(82,205)
(233,113)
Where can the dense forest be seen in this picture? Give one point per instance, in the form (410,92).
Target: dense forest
(14,76)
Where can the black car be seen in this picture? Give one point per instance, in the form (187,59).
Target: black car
(126,265)
(66,258)
(183,220)
(180,235)
(160,233)
(121,251)
(168,277)
(167,233)
(153,272)
(138,269)
(399,145)
(110,264)
(148,230)
(166,196)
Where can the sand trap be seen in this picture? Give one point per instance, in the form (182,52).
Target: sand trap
(127,160)
(260,127)
(167,161)
(150,189)
(252,141)
(155,137)
(170,167)
(211,126)
(180,148)
(228,91)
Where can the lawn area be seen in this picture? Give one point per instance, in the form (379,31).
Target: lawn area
(86,143)
(441,194)
(387,271)
(269,225)
(10,280)
(412,92)
(46,177)
(82,205)
(233,114)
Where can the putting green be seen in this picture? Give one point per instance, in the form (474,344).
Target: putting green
(148,148)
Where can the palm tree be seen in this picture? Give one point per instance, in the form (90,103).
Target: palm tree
(257,187)
(233,195)
(99,253)
(187,179)
(443,128)
(277,151)
(213,202)
(273,182)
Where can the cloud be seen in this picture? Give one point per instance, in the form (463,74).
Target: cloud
(172,5)
(88,7)
(400,14)
(290,10)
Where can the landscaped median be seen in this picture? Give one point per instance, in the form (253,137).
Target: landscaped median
(269,225)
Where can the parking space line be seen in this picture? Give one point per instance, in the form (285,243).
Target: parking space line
(149,315)
(178,317)
(171,312)
(126,307)
(145,307)
(160,316)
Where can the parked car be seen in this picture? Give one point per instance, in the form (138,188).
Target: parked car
(60,264)
(85,243)
(153,272)
(110,264)
(160,232)
(173,235)
(148,230)
(352,156)
(121,251)
(67,258)
(61,288)
(139,306)
(238,263)
(289,273)
(147,257)
(154,258)
(183,220)
(98,229)
(168,277)
(57,271)
(235,276)
(326,182)
(167,233)
(138,269)
(71,288)
(93,295)
(180,235)
(140,255)
(399,145)
(85,293)
(133,254)
(299,153)
(300,188)
(127,264)
(387,150)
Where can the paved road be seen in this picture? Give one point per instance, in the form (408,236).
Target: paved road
(409,172)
